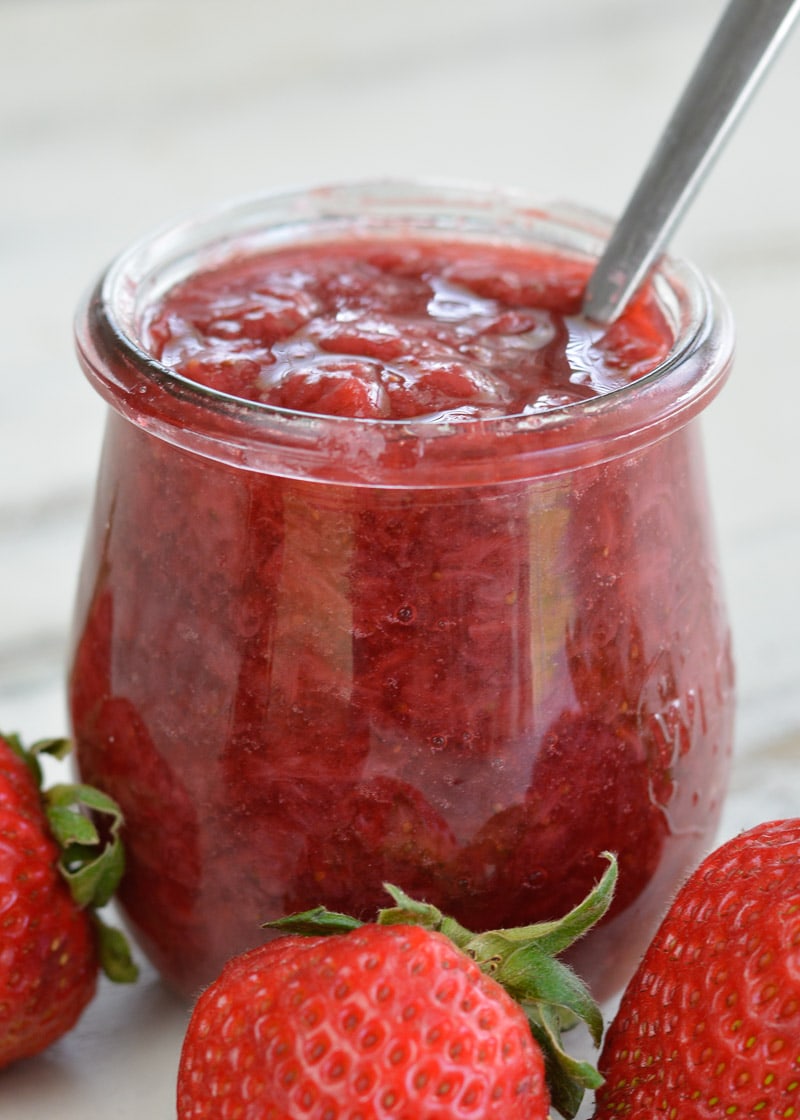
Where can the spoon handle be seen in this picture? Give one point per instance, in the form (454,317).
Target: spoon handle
(743,44)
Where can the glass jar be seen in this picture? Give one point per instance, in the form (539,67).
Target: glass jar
(315,654)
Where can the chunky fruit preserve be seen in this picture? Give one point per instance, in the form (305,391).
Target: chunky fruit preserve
(399,571)
(411,330)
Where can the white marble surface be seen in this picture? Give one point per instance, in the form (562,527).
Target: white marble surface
(116,115)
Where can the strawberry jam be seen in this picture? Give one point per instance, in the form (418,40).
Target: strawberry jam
(399,571)
(387,331)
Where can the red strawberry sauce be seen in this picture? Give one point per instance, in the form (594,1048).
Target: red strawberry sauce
(384,331)
(299,688)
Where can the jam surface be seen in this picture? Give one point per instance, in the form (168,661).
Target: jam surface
(299,691)
(385,331)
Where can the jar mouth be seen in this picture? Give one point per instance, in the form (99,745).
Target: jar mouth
(211,421)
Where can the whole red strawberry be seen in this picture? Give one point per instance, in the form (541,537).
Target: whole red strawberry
(709,1026)
(394,1020)
(54,868)
(408,1018)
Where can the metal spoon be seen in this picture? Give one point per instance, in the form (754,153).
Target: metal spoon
(737,56)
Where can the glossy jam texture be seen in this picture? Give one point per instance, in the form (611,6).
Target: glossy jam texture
(300,690)
(386,331)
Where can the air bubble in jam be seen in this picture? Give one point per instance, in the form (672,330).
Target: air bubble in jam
(455,303)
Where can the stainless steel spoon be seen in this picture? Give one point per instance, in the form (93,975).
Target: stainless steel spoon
(738,54)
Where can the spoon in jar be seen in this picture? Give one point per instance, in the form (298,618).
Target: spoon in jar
(737,56)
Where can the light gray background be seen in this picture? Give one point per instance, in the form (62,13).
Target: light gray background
(117,115)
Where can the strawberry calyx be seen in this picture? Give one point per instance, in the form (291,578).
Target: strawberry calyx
(86,825)
(523,960)
(57,747)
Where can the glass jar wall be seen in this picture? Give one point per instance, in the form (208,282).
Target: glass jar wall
(314,654)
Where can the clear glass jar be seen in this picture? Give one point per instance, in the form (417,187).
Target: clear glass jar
(313,654)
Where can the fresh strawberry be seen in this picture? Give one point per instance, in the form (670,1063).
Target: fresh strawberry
(56,865)
(411,1017)
(364,1022)
(709,1026)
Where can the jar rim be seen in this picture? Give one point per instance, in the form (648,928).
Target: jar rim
(262,436)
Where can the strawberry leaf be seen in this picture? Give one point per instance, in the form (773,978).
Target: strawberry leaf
(86,823)
(534,978)
(70,827)
(409,911)
(93,878)
(319,922)
(58,748)
(114,953)
(574,925)
(567,1078)
(87,796)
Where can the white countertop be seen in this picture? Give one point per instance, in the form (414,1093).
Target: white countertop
(117,115)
